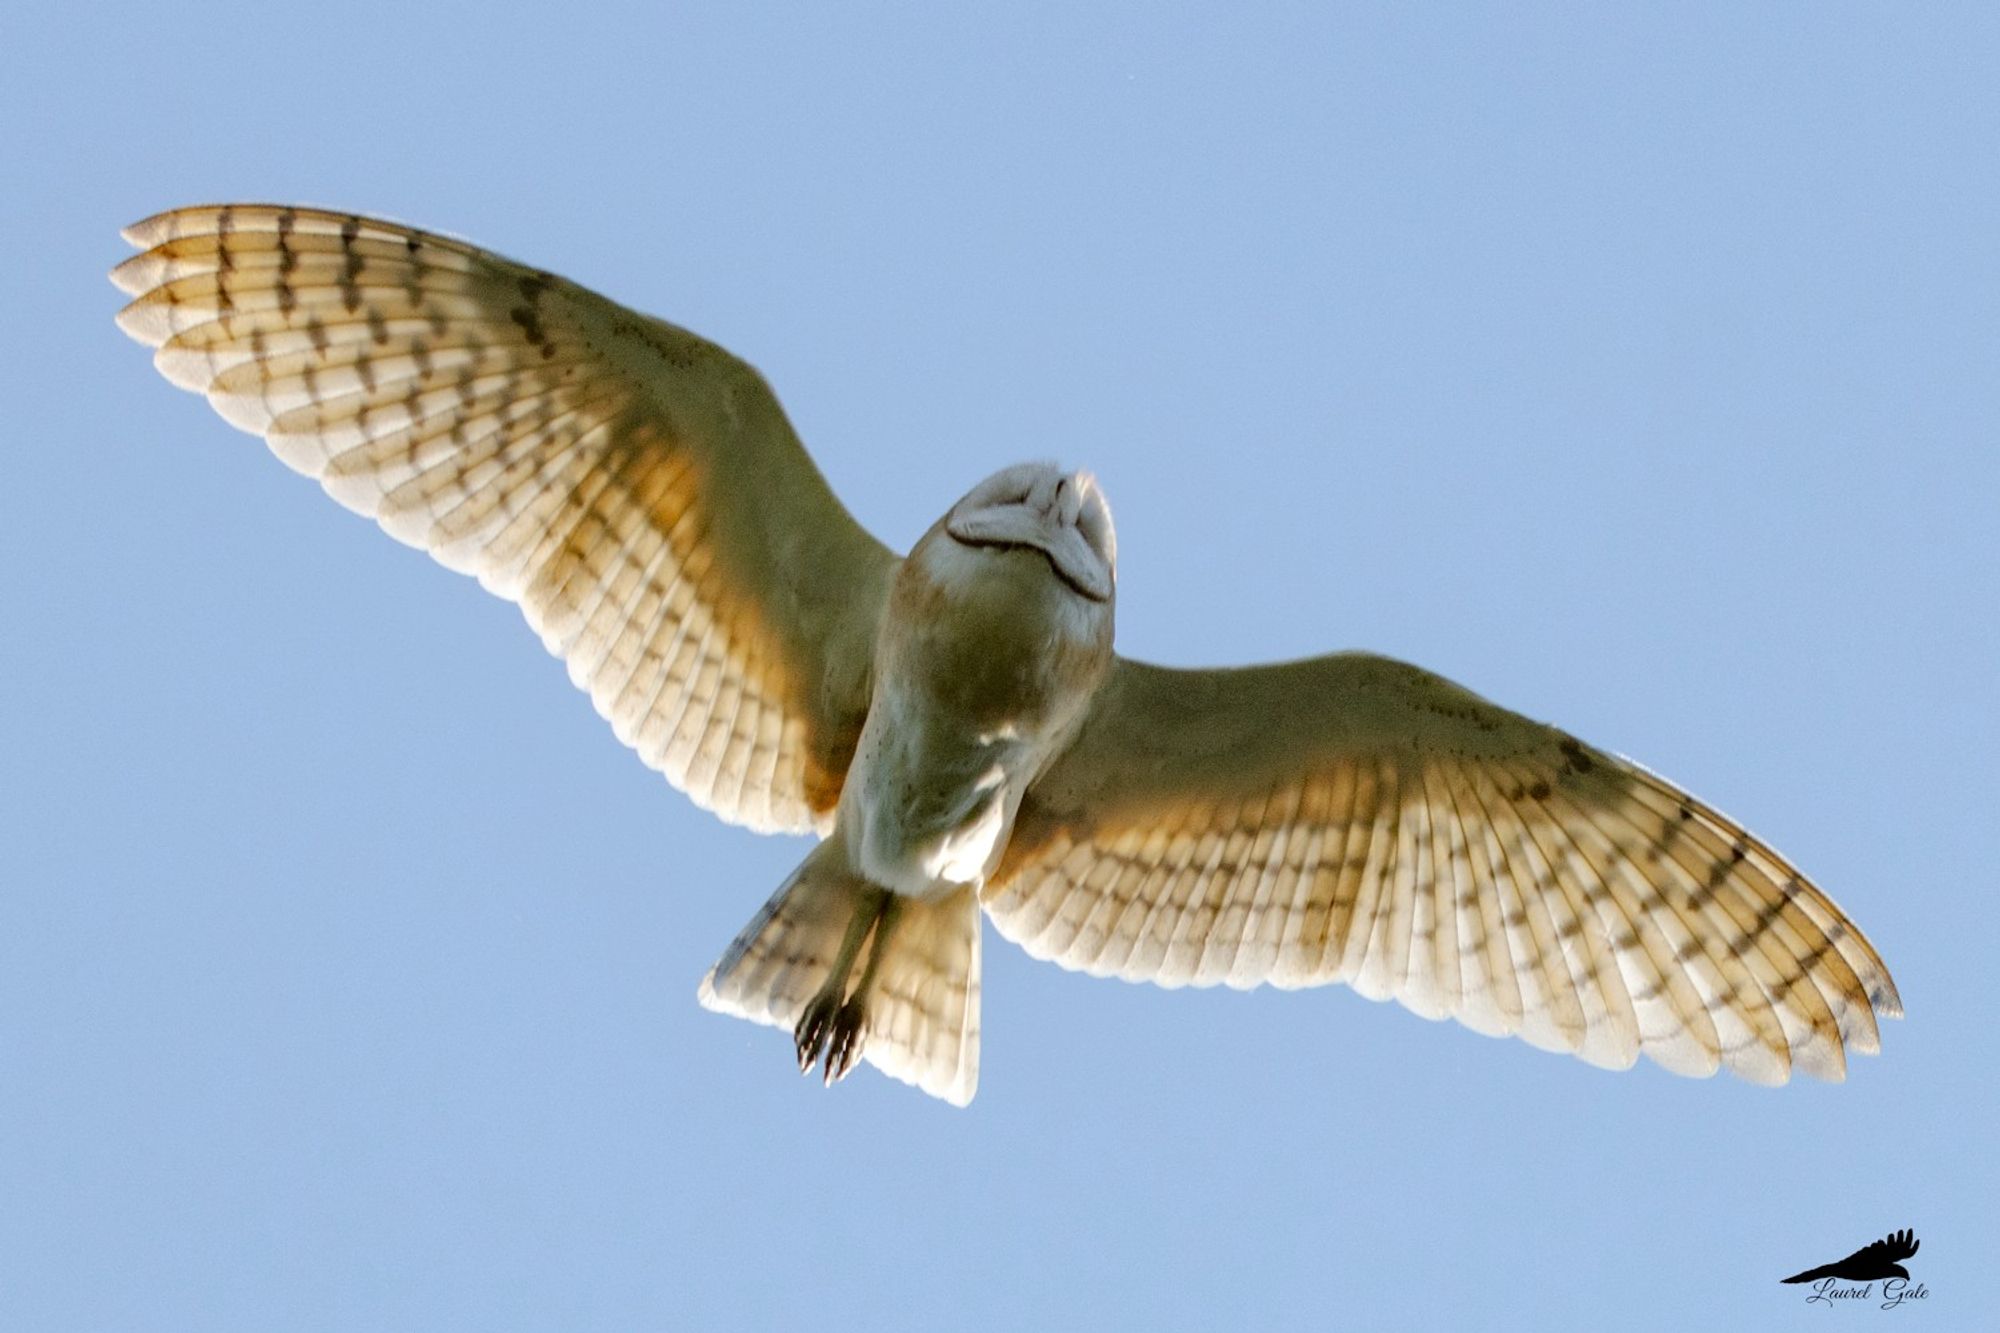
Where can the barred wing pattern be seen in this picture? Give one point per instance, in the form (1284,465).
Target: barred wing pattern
(1353,819)
(635,488)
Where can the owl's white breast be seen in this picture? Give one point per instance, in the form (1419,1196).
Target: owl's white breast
(984,666)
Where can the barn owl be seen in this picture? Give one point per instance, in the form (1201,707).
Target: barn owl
(955,724)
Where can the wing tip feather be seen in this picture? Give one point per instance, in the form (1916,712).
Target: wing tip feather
(145,322)
(137,274)
(146,232)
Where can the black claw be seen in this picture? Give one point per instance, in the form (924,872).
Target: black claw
(811,1033)
(843,1050)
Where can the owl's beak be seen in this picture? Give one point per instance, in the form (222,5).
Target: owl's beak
(1058,498)
(1045,519)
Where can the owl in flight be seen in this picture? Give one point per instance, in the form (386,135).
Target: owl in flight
(954,724)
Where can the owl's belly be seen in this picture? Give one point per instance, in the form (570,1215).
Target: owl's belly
(983,668)
(929,800)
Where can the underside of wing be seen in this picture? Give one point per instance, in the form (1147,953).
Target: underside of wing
(1353,819)
(635,488)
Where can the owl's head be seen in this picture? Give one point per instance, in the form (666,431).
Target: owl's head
(1038,505)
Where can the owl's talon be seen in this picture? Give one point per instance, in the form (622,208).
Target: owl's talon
(843,1050)
(814,1026)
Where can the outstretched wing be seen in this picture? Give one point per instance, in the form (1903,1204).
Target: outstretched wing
(1350,818)
(1891,1249)
(636,489)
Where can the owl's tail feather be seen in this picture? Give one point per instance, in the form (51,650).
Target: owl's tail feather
(921,995)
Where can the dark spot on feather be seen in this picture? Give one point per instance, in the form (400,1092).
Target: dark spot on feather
(531,327)
(1540,791)
(350,269)
(350,287)
(1574,757)
(287,261)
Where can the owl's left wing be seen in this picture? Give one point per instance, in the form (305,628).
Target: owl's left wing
(637,489)
(1350,818)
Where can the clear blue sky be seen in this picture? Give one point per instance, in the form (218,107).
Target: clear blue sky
(1636,370)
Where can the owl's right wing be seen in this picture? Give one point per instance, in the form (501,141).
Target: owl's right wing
(1353,819)
(635,488)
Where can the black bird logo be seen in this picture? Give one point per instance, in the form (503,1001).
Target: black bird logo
(1882,1259)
